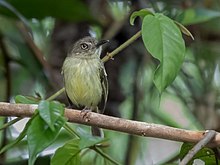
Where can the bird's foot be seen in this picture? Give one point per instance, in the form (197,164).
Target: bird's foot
(85,113)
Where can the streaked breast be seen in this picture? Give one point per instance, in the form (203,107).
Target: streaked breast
(82,81)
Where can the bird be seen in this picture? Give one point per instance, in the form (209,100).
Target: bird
(85,78)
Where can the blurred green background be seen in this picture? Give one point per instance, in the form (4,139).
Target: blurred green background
(34,39)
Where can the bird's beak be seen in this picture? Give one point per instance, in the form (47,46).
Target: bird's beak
(101,42)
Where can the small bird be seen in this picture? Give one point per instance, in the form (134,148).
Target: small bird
(85,78)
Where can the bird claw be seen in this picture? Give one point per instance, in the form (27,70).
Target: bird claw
(85,113)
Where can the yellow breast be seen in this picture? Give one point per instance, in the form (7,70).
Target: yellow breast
(82,81)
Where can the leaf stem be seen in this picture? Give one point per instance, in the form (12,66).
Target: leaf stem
(121,47)
(70,130)
(10,123)
(106,156)
(56,94)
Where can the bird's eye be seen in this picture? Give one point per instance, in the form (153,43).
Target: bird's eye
(84,46)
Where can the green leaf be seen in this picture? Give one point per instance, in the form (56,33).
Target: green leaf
(205,154)
(198,15)
(141,13)
(26,99)
(73,10)
(67,154)
(50,112)
(40,136)
(163,39)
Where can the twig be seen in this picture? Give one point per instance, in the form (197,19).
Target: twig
(209,135)
(121,47)
(6,125)
(55,95)
(108,122)
(98,150)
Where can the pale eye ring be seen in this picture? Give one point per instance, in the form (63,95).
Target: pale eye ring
(84,46)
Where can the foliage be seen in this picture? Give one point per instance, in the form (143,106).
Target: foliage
(43,128)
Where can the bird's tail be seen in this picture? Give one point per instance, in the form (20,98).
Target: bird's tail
(96,131)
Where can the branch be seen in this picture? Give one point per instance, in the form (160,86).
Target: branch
(121,47)
(207,138)
(116,124)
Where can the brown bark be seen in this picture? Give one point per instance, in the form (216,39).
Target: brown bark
(114,123)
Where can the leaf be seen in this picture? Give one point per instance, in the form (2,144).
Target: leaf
(50,112)
(205,154)
(26,99)
(40,136)
(184,30)
(197,15)
(72,10)
(141,13)
(67,154)
(163,39)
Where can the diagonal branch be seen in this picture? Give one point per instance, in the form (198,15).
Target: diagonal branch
(210,134)
(121,47)
(116,124)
